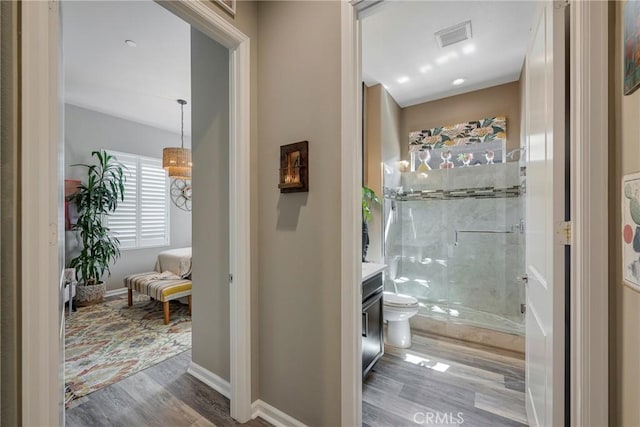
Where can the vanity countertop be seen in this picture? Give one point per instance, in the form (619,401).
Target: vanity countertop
(370,269)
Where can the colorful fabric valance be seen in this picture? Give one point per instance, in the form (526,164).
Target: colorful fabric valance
(474,132)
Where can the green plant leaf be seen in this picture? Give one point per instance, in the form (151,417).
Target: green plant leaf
(95,200)
(368,199)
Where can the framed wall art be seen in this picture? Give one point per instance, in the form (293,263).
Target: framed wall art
(631,46)
(294,168)
(631,230)
(228,5)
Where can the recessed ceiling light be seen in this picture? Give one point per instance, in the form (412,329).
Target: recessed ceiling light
(131,43)
(426,68)
(458,82)
(470,48)
(403,79)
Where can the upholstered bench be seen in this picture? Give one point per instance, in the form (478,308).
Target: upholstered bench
(158,288)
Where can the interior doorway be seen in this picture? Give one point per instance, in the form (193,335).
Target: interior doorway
(120,92)
(43,23)
(423,137)
(587,26)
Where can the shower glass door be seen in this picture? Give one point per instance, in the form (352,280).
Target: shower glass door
(454,239)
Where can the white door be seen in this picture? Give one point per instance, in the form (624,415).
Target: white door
(545,126)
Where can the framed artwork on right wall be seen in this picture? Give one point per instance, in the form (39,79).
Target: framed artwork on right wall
(631,230)
(631,46)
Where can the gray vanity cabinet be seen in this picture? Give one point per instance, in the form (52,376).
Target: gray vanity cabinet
(372,332)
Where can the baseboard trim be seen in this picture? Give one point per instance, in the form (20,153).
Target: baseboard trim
(217,383)
(114,292)
(273,415)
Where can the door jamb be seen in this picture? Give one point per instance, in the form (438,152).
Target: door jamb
(206,20)
(39,271)
(589,215)
(351,215)
(40,350)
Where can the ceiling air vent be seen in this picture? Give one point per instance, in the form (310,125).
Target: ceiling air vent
(455,34)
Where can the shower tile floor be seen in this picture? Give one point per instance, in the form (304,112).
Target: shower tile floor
(450,380)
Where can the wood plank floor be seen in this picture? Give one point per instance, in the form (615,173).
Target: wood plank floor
(455,381)
(162,395)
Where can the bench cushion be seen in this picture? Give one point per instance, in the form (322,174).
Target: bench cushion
(159,289)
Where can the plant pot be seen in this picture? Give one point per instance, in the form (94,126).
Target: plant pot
(90,294)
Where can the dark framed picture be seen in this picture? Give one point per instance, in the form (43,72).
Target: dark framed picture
(228,5)
(294,168)
(631,46)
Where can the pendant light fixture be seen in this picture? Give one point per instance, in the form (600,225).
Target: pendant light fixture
(177,160)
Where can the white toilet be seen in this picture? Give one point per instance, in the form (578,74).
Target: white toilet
(397,311)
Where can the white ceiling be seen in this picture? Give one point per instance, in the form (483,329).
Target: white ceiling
(140,84)
(398,42)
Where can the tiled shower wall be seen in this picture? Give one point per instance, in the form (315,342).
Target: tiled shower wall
(474,281)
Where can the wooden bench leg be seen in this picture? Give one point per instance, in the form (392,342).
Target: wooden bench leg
(130,297)
(189,305)
(166,312)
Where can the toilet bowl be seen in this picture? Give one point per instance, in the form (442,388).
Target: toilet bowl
(397,310)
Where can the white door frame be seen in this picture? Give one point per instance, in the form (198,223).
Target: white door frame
(589,212)
(589,281)
(41,361)
(351,217)
(39,177)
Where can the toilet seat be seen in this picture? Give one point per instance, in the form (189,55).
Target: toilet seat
(398,300)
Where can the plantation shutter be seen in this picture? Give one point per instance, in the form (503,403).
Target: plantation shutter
(124,221)
(154,209)
(142,219)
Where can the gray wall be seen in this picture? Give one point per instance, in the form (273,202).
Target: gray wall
(86,131)
(210,130)
(300,253)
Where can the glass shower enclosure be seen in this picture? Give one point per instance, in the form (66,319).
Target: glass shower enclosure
(454,238)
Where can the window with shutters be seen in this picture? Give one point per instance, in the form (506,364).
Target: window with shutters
(142,218)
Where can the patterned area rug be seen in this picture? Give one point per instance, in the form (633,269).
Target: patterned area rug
(107,342)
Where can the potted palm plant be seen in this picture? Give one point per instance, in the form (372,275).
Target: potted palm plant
(95,199)
(368,199)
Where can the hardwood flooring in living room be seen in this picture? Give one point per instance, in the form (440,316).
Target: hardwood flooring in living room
(162,395)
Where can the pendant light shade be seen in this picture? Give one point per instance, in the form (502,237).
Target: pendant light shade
(177,160)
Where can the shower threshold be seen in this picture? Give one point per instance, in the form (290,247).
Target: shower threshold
(471,325)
